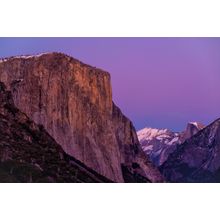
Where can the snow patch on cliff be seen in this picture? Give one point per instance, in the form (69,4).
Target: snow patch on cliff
(22,57)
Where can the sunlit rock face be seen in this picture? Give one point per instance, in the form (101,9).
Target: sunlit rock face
(73,101)
(192,128)
(29,154)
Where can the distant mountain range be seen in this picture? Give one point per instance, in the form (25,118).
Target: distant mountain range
(158,144)
(189,156)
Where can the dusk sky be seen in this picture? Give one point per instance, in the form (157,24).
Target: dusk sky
(157,82)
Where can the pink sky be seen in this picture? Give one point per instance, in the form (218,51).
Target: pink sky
(157,82)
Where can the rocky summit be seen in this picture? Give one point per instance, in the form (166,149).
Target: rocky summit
(73,102)
(197,159)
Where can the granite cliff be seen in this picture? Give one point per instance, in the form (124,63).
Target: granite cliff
(197,159)
(29,154)
(73,102)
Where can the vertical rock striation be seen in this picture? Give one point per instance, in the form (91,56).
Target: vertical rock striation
(73,101)
(29,154)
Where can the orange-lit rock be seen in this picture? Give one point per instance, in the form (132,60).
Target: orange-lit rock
(73,101)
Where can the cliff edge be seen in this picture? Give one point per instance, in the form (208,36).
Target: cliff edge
(73,101)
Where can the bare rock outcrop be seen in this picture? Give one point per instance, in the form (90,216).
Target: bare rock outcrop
(29,154)
(197,159)
(73,101)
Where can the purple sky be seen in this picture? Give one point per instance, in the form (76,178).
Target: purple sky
(157,82)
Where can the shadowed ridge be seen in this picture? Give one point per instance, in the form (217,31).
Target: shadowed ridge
(197,159)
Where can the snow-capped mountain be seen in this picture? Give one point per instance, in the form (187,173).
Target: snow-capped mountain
(159,143)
